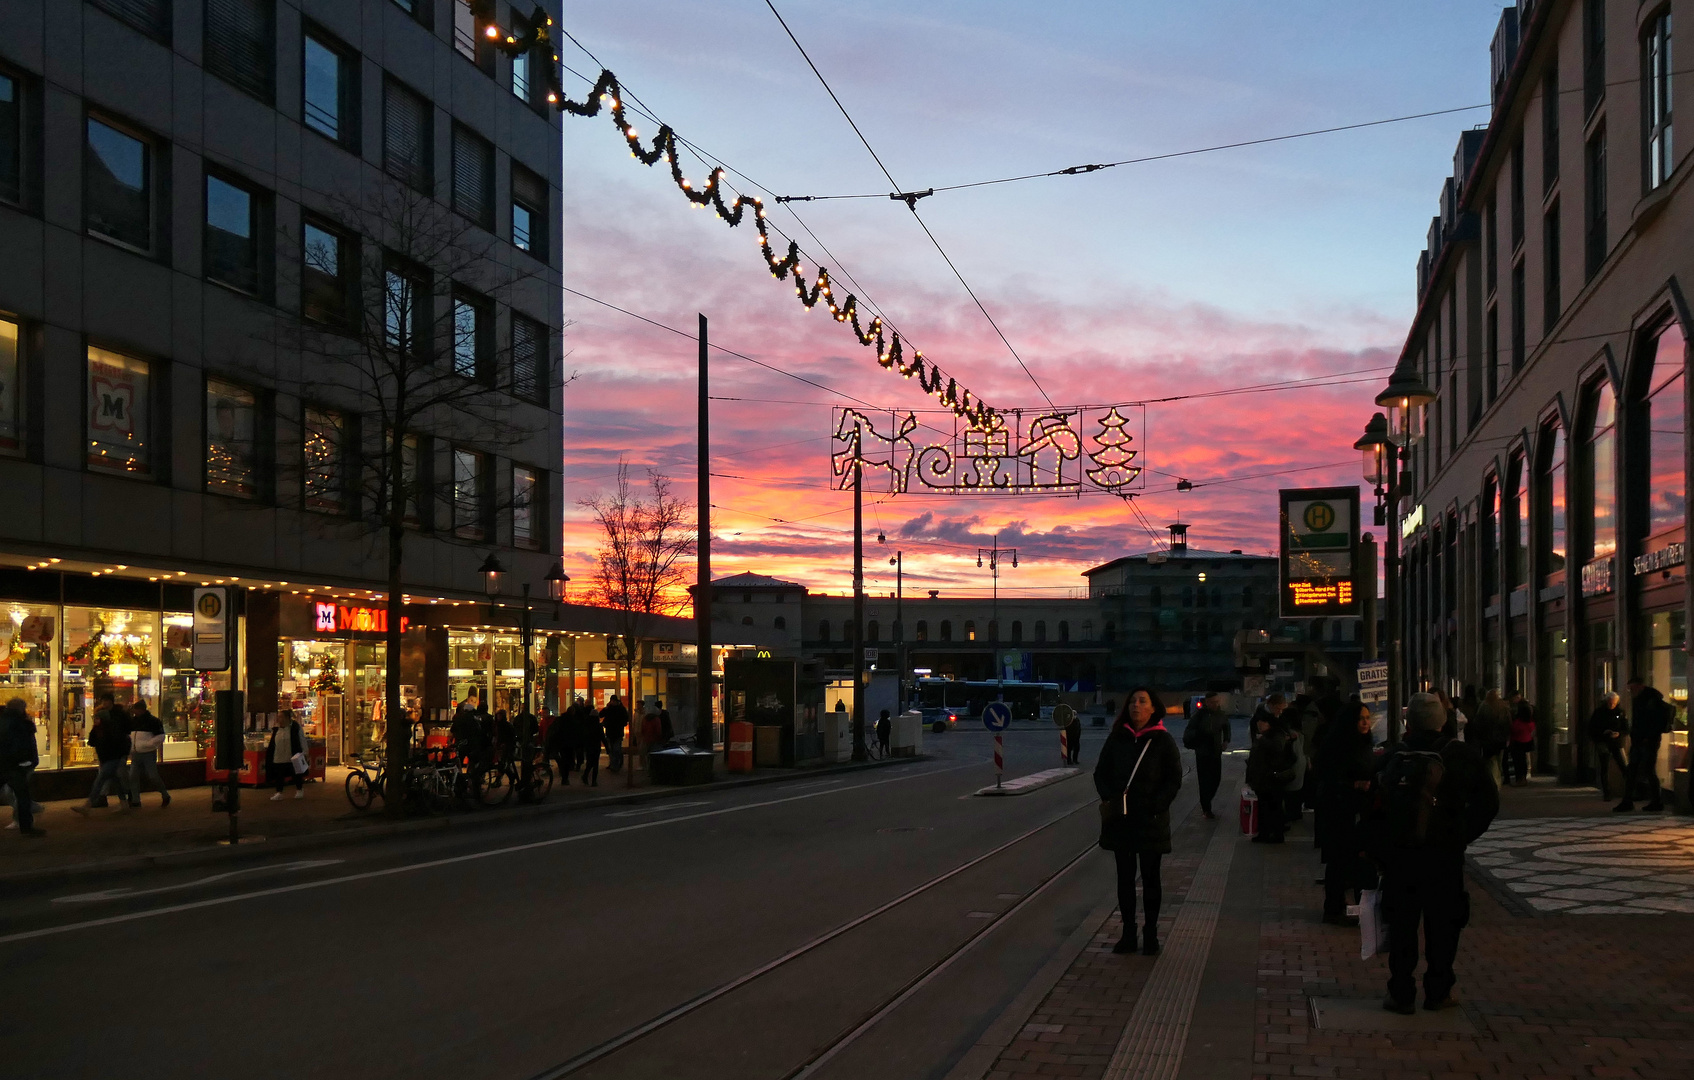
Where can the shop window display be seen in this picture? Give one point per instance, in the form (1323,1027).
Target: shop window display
(103,652)
(186,705)
(1662,662)
(27,640)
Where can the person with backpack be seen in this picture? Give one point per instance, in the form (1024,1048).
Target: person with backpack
(1137,778)
(1270,769)
(1435,797)
(1207,734)
(1607,727)
(1649,719)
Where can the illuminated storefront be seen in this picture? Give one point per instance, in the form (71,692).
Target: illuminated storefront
(67,640)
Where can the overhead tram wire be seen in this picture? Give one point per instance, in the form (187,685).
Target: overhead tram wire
(1079,170)
(741,356)
(911,201)
(708,158)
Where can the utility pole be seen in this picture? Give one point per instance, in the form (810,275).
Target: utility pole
(703,563)
(859,751)
(900,626)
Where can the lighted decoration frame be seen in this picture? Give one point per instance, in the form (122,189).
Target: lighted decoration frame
(537,42)
(1004,453)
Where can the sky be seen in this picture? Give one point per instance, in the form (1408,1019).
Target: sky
(1264,264)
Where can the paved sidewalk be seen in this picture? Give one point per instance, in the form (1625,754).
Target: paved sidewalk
(1557,994)
(189,832)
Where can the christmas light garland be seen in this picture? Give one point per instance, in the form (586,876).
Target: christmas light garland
(890,350)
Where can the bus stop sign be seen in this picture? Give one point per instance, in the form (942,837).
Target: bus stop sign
(996,716)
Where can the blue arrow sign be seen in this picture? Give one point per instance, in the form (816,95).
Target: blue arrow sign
(996,716)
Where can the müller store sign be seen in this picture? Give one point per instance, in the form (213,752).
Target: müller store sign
(307,617)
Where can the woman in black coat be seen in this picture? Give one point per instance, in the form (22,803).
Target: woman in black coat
(1346,769)
(1137,777)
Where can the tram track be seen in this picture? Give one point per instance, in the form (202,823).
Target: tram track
(883,1007)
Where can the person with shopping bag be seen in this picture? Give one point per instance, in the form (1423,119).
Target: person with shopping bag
(1137,778)
(287,759)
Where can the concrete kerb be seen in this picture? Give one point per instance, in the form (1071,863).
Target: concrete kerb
(381,829)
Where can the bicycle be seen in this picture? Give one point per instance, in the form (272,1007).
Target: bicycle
(497,782)
(366,780)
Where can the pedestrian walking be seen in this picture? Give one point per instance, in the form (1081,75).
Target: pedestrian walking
(1491,731)
(1270,769)
(1523,740)
(1649,718)
(1137,777)
(146,736)
(1344,769)
(1607,727)
(286,759)
(109,737)
(1207,735)
(614,720)
(589,737)
(1436,798)
(19,755)
(559,744)
(667,730)
(884,732)
(1073,739)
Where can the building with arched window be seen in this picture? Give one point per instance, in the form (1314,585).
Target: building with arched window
(1544,532)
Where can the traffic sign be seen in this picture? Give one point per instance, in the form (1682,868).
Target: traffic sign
(1063,715)
(996,716)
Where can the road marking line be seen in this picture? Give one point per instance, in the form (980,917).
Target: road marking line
(128,894)
(370,875)
(1151,1045)
(658,809)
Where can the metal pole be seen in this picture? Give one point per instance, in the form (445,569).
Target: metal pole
(900,628)
(703,564)
(1391,585)
(859,751)
(527,722)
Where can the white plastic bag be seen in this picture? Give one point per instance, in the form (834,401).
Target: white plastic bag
(1373,928)
(300,764)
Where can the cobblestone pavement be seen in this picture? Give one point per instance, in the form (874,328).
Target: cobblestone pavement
(1542,996)
(1588,866)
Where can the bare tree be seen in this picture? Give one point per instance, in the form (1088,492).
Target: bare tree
(641,569)
(396,338)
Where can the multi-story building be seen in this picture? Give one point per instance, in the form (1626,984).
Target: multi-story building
(963,637)
(1544,531)
(205,206)
(1173,617)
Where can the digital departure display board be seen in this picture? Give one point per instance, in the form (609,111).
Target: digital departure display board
(1320,542)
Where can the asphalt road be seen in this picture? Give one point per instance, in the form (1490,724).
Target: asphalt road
(516,951)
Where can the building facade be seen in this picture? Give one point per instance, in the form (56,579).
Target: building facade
(1176,618)
(205,208)
(1543,532)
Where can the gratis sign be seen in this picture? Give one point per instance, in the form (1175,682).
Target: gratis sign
(1320,539)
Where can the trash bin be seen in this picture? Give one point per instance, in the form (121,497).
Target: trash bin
(678,765)
(740,746)
(767,745)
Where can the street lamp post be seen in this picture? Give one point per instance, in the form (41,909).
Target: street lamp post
(1404,398)
(994,554)
(897,561)
(556,579)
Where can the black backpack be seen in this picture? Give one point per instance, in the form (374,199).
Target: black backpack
(1410,791)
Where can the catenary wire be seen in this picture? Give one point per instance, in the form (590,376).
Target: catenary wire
(911,204)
